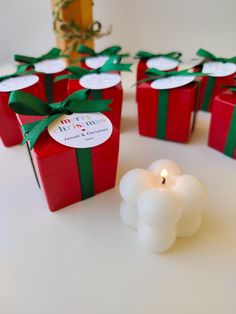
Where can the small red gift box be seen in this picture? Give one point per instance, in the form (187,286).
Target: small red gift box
(68,175)
(115,93)
(222,134)
(54,90)
(210,87)
(167,113)
(10,131)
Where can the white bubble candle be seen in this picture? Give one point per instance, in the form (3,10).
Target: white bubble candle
(162,204)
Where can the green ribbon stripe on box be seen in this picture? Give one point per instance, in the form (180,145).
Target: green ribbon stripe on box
(84,160)
(230,143)
(26,104)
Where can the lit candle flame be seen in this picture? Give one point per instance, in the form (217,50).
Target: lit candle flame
(164,174)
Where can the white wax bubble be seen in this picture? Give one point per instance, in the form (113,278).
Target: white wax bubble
(188,224)
(192,191)
(158,165)
(159,208)
(129,214)
(133,183)
(154,240)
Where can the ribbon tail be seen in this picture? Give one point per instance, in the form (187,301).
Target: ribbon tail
(37,129)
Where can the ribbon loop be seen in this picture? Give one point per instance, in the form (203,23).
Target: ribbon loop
(110,51)
(173,55)
(54,53)
(210,56)
(155,74)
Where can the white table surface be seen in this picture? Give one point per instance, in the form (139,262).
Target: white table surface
(83,260)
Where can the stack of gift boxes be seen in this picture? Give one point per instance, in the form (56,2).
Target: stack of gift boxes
(70,116)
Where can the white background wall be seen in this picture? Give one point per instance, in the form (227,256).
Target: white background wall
(156,25)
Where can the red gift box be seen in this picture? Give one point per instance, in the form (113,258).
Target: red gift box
(167,114)
(210,87)
(10,130)
(54,90)
(115,93)
(68,175)
(222,133)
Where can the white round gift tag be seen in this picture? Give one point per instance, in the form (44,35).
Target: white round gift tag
(162,63)
(18,82)
(172,82)
(219,69)
(81,130)
(96,62)
(100,81)
(50,66)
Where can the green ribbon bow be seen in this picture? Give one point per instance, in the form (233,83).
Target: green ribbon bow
(210,56)
(155,74)
(109,66)
(26,104)
(27,61)
(110,51)
(18,72)
(173,55)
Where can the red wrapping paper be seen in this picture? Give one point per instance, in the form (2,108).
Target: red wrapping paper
(10,130)
(180,113)
(219,81)
(222,110)
(57,170)
(115,93)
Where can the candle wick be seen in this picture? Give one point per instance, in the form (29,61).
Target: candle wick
(163,181)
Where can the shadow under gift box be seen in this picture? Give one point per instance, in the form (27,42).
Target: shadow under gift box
(55,91)
(210,87)
(10,130)
(115,93)
(222,133)
(62,172)
(169,117)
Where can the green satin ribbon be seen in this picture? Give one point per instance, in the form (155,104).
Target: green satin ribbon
(27,61)
(26,104)
(162,113)
(231,136)
(155,74)
(85,169)
(109,66)
(210,56)
(230,143)
(19,72)
(110,51)
(144,55)
(208,93)
(84,160)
